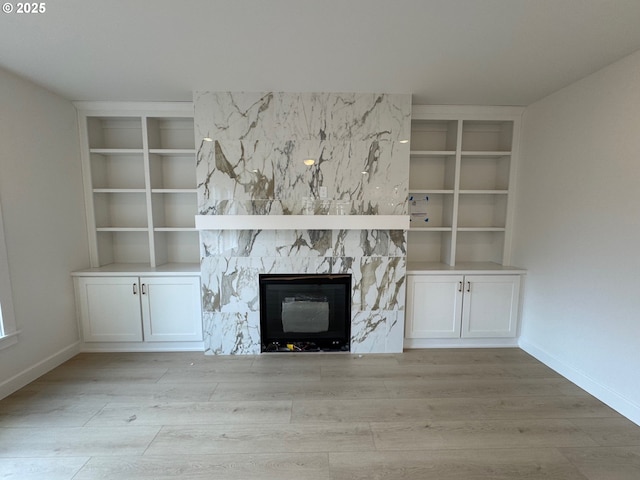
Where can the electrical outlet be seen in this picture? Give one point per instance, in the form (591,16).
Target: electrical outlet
(323,192)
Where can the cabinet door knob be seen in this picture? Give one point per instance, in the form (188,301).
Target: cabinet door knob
(459,286)
(468,287)
(144,291)
(135,288)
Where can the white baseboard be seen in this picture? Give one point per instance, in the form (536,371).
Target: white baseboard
(35,371)
(411,343)
(103,347)
(619,403)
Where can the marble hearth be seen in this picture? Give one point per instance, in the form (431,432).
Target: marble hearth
(252,164)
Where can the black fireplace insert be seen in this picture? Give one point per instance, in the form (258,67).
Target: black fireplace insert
(305,312)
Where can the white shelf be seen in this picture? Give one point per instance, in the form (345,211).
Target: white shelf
(481,153)
(119,190)
(429,191)
(481,229)
(117,151)
(431,153)
(462,159)
(477,268)
(484,192)
(170,152)
(174,190)
(430,229)
(302,222)
(175,229)
(139,169)
(122,229)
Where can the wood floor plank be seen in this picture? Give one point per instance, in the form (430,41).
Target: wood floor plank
(105,392)
(466,356)
(41,468)
(610,432)
(511,464)
(606,463)
(217,439)
(75,441)
(320,389)
(479,434)
(280,466)
(184,375)
(105,374)
(434,372)
(193,413)
(430,414)
(486,387)
(47,413)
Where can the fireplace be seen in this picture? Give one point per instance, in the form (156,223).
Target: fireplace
(305,312)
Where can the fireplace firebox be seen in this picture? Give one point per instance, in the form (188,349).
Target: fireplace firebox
(305,312)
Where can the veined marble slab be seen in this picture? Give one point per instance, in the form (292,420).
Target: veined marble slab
(262,210)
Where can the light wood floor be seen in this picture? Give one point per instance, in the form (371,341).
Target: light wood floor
(424,414)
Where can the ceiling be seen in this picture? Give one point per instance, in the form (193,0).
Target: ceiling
(482,52)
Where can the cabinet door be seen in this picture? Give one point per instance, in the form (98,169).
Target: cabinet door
(171,308)
(434,305)
(490,305)
(109,309)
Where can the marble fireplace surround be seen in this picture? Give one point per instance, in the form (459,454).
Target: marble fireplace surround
(261,210)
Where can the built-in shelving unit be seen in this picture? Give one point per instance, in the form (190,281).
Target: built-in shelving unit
(461,181)
(139,170)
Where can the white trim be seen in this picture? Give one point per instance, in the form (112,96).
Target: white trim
(421,343)
(99,347)
(619,403)
(302,222)
(137,109)
(8,329)
(35,371)
(8,340)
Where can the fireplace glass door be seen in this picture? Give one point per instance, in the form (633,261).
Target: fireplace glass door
(301,312)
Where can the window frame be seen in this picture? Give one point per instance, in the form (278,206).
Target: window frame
(8,331)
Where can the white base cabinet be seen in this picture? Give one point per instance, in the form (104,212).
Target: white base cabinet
(139,309)
(462,306)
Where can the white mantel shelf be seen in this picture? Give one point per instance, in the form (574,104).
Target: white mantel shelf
(302,222)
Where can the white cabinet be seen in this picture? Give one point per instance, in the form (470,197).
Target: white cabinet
(462,306)
(139,309)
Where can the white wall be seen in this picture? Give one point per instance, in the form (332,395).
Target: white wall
(578,233)
(43,210)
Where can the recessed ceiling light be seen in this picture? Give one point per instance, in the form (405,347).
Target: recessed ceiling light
(404,141)
(208,139)
(309,161)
